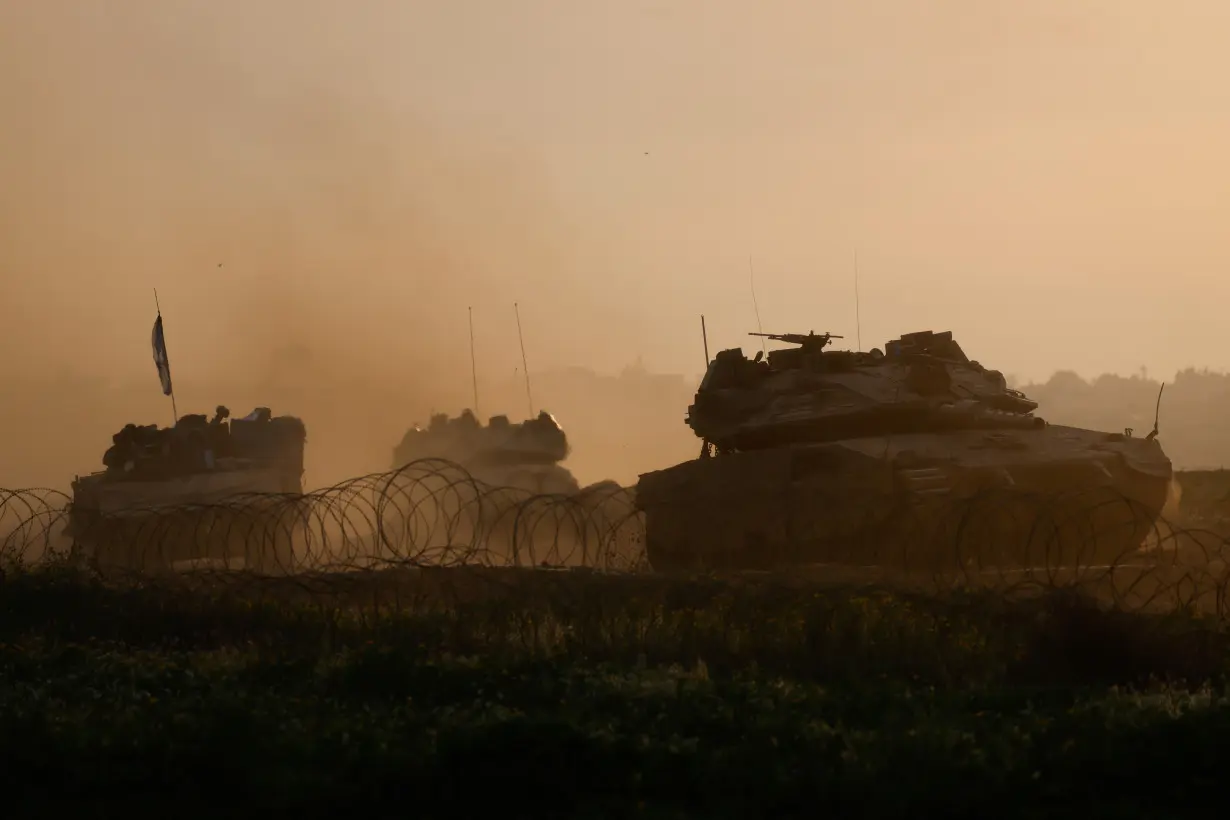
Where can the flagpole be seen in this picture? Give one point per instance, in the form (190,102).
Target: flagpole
(174,409)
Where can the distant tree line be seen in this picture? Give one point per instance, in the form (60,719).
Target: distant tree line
(1192,421)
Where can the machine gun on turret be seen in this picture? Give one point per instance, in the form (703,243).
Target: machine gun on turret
(809,342)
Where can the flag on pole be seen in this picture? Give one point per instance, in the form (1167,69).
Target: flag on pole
(160,357)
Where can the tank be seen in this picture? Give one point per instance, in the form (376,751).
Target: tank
(523,456)
(173,495)
(524,509)
(914,454)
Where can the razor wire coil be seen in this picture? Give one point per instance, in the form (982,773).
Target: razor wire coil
(433,515)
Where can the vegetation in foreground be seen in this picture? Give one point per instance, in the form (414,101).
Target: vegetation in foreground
(693,699)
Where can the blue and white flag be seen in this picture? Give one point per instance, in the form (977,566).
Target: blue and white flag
(160,357)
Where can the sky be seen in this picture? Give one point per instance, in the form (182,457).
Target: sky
(1048,180)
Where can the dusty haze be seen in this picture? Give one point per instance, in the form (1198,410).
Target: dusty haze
(318,190)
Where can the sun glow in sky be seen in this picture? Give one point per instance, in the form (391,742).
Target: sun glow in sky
(1048,180)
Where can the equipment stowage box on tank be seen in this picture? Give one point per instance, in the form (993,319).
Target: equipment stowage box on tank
(915,455)
(203,489)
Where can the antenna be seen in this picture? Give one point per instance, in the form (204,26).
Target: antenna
(760,327)
(524,366)
(473,366)
(858,320)
(704,337)
(1157,412)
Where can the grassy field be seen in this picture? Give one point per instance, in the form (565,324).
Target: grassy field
(592,697)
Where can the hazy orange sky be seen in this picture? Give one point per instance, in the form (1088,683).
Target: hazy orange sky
(1048,179)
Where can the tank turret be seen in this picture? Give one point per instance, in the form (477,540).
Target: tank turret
(523,454)
(923,382)
(917,421)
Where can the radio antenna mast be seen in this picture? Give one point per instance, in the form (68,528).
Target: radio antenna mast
(858,321)
(473,365)
(704,338)
(529,398)
(752,273)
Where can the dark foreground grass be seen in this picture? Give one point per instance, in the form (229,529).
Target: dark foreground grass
(691,700)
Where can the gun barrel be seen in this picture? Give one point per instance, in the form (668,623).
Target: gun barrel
(797,335)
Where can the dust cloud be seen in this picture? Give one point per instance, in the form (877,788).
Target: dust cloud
(315,245)
(319,190)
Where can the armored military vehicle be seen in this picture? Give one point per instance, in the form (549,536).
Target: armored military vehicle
(523,456)
(914,454)
(203,489)
(524,507)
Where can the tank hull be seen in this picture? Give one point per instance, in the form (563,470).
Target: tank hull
(236,518)
(539,479)
(523,516)
(1055,495)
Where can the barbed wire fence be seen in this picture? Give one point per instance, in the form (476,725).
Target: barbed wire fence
(432,528)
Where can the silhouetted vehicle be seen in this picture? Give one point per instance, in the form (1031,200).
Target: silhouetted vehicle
(524,456)
(913,455)
(523,506)
(203,489)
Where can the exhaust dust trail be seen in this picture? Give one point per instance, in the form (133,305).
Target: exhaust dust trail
(314,243)
(364,172)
